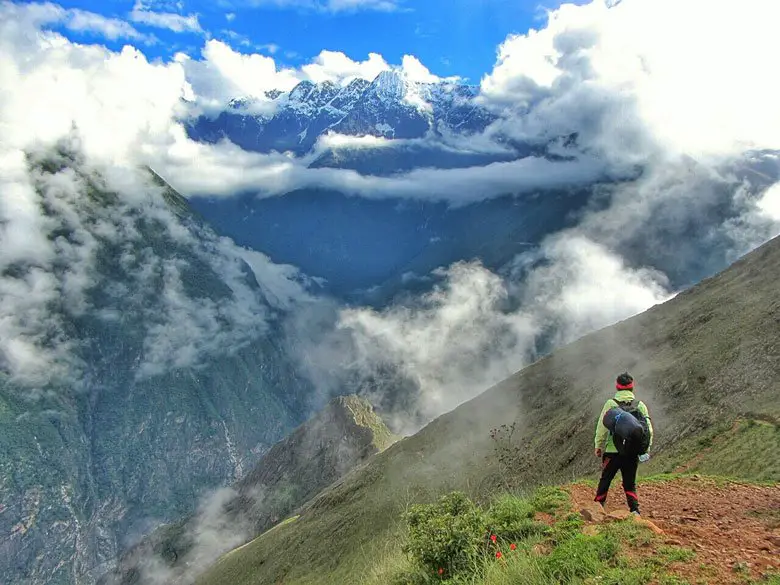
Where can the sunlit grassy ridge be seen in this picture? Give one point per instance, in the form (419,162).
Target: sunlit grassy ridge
(707,364)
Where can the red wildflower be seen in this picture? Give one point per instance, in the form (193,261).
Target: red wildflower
(493,537)
(441,571)
(498,554)
(512,546)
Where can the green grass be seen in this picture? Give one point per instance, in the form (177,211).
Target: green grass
(564,556)
(701,355)
(746,449)
(672,580)
(364,416)
(675,554)
(373,500)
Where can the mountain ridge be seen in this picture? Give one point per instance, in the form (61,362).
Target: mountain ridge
(701,361)
(390,106)
(340,437)
(154,317)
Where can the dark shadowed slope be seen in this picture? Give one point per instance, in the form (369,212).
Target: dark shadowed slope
(160,374)
(702,360)
(336,440)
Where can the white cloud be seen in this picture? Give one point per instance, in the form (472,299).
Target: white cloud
(226,169)
(355,5)
(333,140)
(167,20)
(211,533)
(110,28)
(769,204)
(123,109)
(117,100)
(462,337)
(82,21)
(272,48)
(631,81)
(330,5)
(337,67)
(126,111)
(230,16)
(223,74)
(416,71)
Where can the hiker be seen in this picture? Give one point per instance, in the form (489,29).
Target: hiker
(624,434)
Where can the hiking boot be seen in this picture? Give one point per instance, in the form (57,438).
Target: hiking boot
(635,513)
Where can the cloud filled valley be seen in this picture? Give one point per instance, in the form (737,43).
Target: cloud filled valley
(641,162)
(661,165)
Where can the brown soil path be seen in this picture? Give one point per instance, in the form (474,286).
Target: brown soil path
(733,528)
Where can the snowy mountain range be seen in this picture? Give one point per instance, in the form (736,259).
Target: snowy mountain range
(390,106)
(362,245)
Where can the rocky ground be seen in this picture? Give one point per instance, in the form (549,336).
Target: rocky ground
(733,528)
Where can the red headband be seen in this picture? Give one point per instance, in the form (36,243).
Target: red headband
(629,386)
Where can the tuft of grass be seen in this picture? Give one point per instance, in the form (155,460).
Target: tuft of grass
(516,568)
(675,554)
(549,499)
(744,449)
(579,557)
(512,519)
(629,532)
(567,528)
(672,580)
(625,576)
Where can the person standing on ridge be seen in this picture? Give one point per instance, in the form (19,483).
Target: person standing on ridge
(624,434)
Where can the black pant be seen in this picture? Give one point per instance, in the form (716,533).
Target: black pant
(627,464)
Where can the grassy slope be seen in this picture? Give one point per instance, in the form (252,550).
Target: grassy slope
(702,360)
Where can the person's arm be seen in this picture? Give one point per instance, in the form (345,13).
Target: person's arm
(602,432)
(643,409)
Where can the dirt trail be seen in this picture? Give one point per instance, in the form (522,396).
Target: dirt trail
(733,528)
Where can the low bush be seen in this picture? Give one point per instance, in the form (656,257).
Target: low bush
(448,537)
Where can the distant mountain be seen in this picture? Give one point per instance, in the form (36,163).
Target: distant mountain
(390,106)
(345,434)
(169,379)
(370,249)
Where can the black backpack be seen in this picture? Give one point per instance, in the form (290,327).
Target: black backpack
(634,445)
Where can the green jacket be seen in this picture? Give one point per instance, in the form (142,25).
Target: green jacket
(603,436)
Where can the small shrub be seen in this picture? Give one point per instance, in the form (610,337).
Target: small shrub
(448,535)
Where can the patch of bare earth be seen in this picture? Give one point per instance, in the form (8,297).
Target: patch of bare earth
(731,527)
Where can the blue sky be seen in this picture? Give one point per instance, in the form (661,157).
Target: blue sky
(450,37)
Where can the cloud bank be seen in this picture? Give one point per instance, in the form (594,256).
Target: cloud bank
(167,20)
(644,107)
(330,5)
(630,80)
(107,109)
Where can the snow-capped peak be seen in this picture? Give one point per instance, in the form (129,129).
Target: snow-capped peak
(396,86)
(391,85)
(301,91)
(396,104)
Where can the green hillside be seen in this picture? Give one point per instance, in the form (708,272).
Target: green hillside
(707,363)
